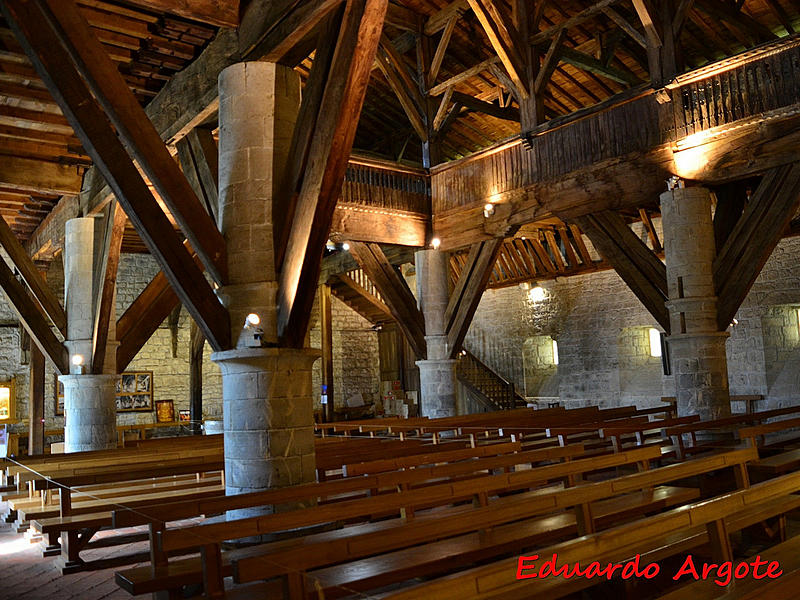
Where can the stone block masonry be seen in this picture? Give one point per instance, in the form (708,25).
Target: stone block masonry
(594,317)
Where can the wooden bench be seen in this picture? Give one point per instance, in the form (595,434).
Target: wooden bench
(407,504)
(654,538)
(406,462)
(679,433)
(505,525)
(75,540)
(784,588)
(624,436)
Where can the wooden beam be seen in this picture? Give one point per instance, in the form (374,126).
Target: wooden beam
(222,13)
(441,88)
(33,320)
(476,275)
(650,20)
(626,26)
(503,38)
(32,277)
(441,48)
(592,65)
(578,19)
(145,314)
(489,108)
(326,343)
(755,236)
(441,112)
(651,230)
(285,203)
(106,306)
(199,159)
(270,30)
(731,200)
(549,63)
(395,292)
(635,263)
(138,134)
(36,377)
(328,155)
(197,344)
(38,176)
(395,81)
(35,30)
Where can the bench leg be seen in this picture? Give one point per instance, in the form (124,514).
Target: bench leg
(295,587)
(53,547)
(720,541)
(213,583)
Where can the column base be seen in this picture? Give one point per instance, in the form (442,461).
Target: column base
(438,388)
(90,412)
(268,420)
(700,369)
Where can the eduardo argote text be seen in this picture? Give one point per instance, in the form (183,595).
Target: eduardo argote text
(530,567)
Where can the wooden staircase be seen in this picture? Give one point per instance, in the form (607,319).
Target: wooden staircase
(356,290)
(496,392)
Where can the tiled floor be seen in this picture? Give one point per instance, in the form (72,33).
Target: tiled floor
(25,574)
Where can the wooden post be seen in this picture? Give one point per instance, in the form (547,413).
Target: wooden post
(36,402)
(197,342)
(326,335)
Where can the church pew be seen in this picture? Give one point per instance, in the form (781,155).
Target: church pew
(44,463)
(505,525)
(654,538)
(784,588)
(679,433)
(406,462)
(68,481)
(81,517)
(640,434)
(779,453)
(406,503)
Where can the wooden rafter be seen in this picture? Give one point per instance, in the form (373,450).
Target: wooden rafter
(503,37)
(33,320)
(754,237)
(441,48)
(468,291)
(139,135)
(636,264)
(328,154)
(36,29)
(106,305)
(199,159)
(395,292)
(30,274)
(651,230)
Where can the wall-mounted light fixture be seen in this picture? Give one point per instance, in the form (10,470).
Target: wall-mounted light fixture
(252,334)
(345,246)
(435,243)
(655,342)
(537,294)
(77,364)
(488,210)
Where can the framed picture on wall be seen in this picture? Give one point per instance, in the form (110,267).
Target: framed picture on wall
(165,411)
(134,391)
(58,397)
(8,402)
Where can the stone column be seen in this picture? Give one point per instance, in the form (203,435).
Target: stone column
(697,348)
(266,391)
(437,374)
(90,414)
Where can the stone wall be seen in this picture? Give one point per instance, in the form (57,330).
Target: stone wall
(356,365)
(602,332)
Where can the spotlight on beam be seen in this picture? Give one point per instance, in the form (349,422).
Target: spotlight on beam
(488,210)
(436,242)
(345,246)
